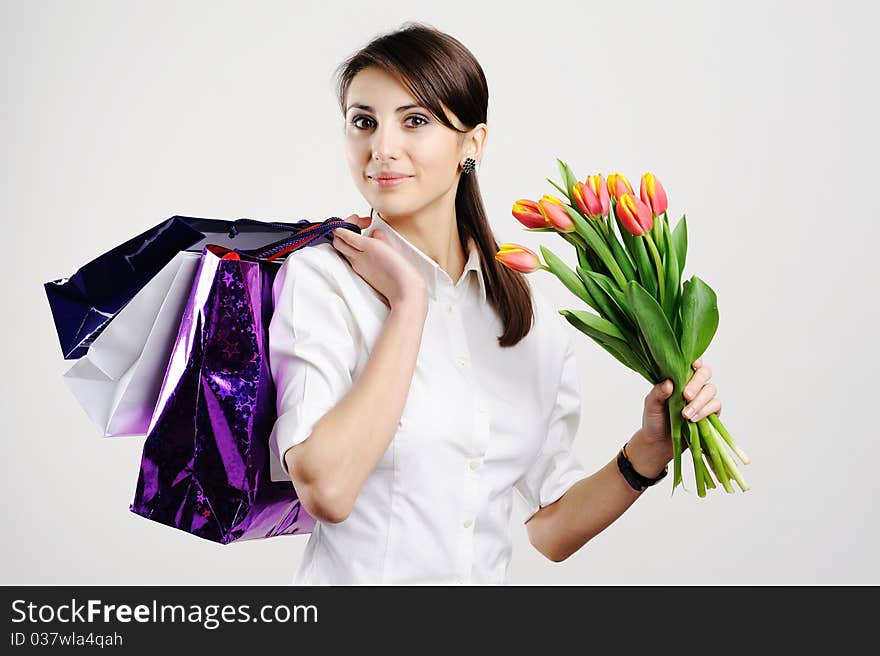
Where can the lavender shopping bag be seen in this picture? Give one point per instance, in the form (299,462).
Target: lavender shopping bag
(205,464)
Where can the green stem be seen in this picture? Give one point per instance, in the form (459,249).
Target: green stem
(710,483)
(716,422)
(711,442)
(731,465)
(697,455)
(658,263)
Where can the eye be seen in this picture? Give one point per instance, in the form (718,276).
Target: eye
(361,117)
(355,120)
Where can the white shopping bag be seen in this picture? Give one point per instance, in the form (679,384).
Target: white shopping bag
(118,381)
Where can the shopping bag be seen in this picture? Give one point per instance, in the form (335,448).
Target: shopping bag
(86,302)
(205,467)
(118,379)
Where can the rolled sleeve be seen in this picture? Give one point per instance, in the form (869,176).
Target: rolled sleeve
(556,468)
(312,350)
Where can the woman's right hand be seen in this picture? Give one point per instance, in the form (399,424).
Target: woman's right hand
(379,264)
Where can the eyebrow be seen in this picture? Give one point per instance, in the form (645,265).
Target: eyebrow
(370,109)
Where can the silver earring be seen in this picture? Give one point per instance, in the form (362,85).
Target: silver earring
(469,164)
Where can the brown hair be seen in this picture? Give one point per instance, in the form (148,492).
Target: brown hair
(435,67)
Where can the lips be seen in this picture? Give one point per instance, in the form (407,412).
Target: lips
(389,183)
(389,176)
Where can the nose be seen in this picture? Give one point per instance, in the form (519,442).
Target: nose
(385,142)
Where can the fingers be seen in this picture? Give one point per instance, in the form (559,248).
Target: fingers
(360,221)
(344,238)
(664,389)
(714,405)
(696,409)
(700,378)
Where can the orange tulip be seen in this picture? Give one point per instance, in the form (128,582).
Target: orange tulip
(519,258)
(653,195)
(592,197)
(555,214)
(619,185)
(526,212)
(634,215)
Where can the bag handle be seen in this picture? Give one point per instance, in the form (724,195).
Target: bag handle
(280,225)
(307,235)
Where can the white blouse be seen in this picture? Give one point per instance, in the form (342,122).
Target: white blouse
(480,421)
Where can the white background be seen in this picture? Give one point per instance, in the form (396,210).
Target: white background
(760,119)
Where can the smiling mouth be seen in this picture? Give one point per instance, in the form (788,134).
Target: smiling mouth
(389,183)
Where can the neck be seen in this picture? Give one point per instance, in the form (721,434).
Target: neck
(434,231)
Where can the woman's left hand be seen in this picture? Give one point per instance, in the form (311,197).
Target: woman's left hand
(701,397)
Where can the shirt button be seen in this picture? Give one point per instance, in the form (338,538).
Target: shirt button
(474,464)
(467,523)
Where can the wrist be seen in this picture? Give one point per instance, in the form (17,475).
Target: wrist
(413,299)
(648,458)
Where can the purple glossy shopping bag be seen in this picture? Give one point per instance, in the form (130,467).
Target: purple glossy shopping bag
(205,463)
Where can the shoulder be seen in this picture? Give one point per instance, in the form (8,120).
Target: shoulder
(319,265)
(322,259)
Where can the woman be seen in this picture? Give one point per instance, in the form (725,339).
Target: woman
(415,393)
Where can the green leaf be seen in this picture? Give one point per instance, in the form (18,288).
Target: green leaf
(606,335)
(680,243)
(608,306)
(568,178)
(599,284)
(596,242)
(699,318)
(568,277)
(671,274)
(621,257)
(559,188)
(657,333)
(608,286)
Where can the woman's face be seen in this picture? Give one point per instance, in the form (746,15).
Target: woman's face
(410,141)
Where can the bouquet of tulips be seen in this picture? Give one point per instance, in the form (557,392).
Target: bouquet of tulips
(646,318)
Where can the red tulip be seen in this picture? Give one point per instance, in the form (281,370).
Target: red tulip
(526,212)
(619,185)
(652,193)
(592,197)
(555,214)
(519,258)
(634,215)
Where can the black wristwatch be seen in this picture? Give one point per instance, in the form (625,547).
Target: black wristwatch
(634,478)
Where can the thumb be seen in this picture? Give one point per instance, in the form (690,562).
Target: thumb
(663,390)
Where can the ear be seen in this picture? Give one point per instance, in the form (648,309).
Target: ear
(475,142)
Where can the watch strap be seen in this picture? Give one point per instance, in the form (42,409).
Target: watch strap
(634,478)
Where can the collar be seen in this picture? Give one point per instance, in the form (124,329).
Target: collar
(430,270)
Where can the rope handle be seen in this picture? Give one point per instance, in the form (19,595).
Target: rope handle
(306,234)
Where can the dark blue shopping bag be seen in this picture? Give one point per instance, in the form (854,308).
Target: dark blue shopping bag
(85,303)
